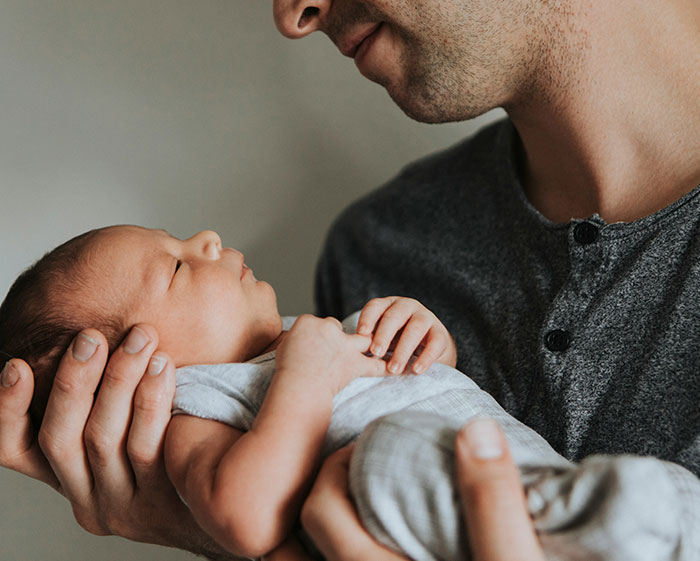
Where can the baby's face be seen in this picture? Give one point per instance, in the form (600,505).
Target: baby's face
(204,302)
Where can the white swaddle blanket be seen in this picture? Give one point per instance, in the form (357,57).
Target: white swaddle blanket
(401,473)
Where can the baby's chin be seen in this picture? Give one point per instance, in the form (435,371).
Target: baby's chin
(267,339)
(256,342)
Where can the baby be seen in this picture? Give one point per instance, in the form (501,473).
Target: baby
(257,407)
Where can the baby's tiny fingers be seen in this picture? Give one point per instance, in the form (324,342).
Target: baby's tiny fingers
(371,313)
(434,347)
(387,331)
(360,342)
(374,366)
(412,336)
(391,324)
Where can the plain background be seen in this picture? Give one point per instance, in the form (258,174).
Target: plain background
(184,115)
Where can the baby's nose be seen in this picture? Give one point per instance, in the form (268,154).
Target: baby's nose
(209,243)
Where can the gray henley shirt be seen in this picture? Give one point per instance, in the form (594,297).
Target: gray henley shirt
(588,332)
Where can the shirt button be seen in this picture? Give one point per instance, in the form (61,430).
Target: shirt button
(585,233)
(557,340)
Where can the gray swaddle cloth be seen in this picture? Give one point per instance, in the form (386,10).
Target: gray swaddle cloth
(402,470)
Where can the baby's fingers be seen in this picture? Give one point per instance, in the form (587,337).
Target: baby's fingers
(435,345)
(394,319)
(362,364)
(373,366)
(359,343)
(373,310)
(414,333)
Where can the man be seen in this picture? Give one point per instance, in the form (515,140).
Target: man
(559,246)
(584,328)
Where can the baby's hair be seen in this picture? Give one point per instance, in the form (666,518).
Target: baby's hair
(45,309)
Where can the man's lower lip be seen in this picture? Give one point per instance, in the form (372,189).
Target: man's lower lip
(366,45)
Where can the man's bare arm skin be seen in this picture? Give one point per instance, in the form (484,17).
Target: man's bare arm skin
(497,520)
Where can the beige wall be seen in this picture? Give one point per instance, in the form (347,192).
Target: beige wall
(185,115)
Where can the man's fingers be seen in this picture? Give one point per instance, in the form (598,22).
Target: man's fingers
(16,389)
(329,516)
(19,449)
(498,522)
(108,426)
(67,411)
(327,507)
(152,407)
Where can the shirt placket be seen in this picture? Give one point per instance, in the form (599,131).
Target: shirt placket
(564,328)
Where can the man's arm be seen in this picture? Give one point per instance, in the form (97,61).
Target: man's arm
(498,523)
(105,459)
(663,517)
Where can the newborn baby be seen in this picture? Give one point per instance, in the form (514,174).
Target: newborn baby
(258,407)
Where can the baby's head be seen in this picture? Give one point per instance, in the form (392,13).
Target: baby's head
(204,302)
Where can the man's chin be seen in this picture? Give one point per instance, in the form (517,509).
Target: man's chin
(421,106)
(419,109)
(423,103)
(396,92)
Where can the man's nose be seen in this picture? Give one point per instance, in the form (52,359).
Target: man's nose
(297,18)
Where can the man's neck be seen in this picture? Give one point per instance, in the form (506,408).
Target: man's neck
(614,128)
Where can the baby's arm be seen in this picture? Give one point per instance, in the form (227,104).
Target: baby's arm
(407,328)
(246,489)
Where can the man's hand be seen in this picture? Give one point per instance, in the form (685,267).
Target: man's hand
(105,454)
(409,330)
(497,521)
(329,517)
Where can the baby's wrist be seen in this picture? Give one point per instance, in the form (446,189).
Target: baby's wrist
(304,383)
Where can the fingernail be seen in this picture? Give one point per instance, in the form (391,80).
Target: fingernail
(393,367)
(362,330)
(377,350)
(136,341)
(156,365)
(84,347)
(484,439)
(535,501)
(418,368)
(9,376)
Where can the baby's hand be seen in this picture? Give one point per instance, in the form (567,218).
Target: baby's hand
(409,328)
(317,351)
